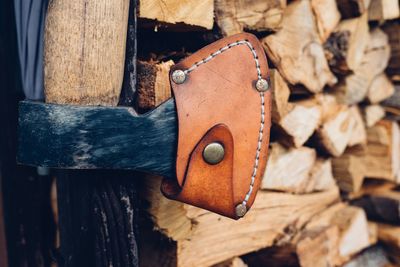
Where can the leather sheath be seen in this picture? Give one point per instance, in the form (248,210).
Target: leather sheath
(219,102)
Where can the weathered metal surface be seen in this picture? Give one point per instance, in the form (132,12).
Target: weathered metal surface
(91,137)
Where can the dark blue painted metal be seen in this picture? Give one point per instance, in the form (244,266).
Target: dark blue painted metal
(89,137)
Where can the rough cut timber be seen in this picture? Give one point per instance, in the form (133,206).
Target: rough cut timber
(296,49)
(359,134)
(153,83)
(84,54)
(337,233)
(352,8)
(193,229)
(380,89)
(383,10)
(348,169)
(327,16)
(354,87)
(234,16)
(321,176)
(345,47)
(373,114)
(294,121)
(392,29)
(335,132)
(288,169)
(382,158)
(299,124)
(171,12)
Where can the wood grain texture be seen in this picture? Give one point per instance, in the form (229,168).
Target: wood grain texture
(234,16)
(85,51)
(189,12)
(98,137)
(297,51)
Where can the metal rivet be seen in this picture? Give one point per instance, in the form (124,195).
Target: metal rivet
(213,153)
(240,210)
(262,85)
(178,76)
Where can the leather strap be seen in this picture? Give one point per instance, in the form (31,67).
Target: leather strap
(218,102)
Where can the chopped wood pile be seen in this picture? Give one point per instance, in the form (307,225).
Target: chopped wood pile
(330,194)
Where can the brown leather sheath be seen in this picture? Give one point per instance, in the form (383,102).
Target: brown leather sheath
(220,101)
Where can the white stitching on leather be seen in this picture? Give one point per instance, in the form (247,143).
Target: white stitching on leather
(260,135)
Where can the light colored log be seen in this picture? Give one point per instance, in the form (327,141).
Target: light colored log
(342,231)
(321,176)
(383,10)
(380,89)
(194,229)
(300,123)
(383,151)
(189,12)
(373,114)
(359,134)
(348,169)
(153,83)
(327,16)
(234,16)
(85,51)
(296,49)
(335,132)
(288,170)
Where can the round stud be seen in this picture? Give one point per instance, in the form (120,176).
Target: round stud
(213,153)
(262,85)
(178,76)
(240,210)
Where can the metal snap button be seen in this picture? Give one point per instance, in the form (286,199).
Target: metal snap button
(240,210)
(214,153)
(178,76)
(262,85)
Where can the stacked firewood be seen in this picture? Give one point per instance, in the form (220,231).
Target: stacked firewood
(329,194)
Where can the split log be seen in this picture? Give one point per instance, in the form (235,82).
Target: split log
(288,169)
(194,229)
(299,124)
(234,16)
(389,234)
(392,104)
(380,89)
(348,169)
(326,20)
(93,35)
(373,114)
(296,49)
(321,176)
(352,8)
(383,10)
(354,87)
(345,47)
(294,121)
(382,155)
(296,170)
(335,132)
(392,29)
(153,83)
(359,134)
(371,186)
(334,236)
(175,13)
